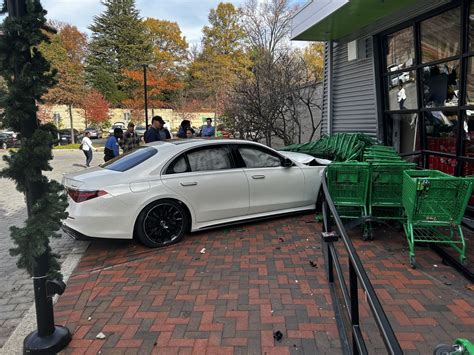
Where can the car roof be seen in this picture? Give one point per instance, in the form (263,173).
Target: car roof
(176,145)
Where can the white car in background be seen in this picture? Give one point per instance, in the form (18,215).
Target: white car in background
(163,190)
(117,125)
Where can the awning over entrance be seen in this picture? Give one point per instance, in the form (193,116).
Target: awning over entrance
(323,20)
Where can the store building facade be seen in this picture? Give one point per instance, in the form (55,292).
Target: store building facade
(401,71)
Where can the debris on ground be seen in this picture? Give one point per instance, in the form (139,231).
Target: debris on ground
(278,335)
(100,336)
(203,251)
(281,239)
(313,264)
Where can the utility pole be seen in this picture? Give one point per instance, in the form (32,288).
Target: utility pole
(48,338)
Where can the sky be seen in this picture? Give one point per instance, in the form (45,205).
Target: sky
(191,15)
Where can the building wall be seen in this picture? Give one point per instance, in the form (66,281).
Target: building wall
(305,119)
(354,95)
(353,91)
(171,117)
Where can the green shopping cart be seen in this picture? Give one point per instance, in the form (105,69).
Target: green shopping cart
(434,204)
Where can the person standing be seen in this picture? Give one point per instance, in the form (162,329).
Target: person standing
(130,138)
(208,130)
(87,147)
(185,124)
(189,132)
(112,145)
(401,96)
(157,132)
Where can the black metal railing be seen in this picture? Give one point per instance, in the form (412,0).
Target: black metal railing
(357,277)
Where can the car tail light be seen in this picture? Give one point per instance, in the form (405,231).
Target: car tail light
(81,196)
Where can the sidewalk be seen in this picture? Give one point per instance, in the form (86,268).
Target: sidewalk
(252,281)
(16,294)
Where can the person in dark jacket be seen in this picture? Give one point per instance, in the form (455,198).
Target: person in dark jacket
(157,132)
(185,124)
(112,145)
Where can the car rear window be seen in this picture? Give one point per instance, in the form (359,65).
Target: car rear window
(130,160)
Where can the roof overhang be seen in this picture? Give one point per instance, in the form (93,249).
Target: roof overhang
(323,20)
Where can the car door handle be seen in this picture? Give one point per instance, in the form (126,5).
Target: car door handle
(258,177)
(188,183)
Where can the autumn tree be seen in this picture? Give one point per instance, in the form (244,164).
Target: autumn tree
(66,53)
(119,42)
(313,55)
(96,108)
(160,84)
(223,57)
(282,86)
(170,48)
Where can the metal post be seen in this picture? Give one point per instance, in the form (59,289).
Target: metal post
(327,228)
(354,304)
(145,91)
(48,339)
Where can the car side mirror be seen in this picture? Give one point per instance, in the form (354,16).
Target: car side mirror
(287,163)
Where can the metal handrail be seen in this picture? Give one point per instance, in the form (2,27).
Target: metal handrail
(356,273)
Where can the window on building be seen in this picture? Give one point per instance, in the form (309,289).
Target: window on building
(400,50)
(471,26)
(403,132)
(440,36)
(402,91)
(441,84)
(470,81)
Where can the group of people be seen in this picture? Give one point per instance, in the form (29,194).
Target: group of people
(130,140)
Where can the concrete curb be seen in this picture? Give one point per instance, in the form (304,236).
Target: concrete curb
(14,344)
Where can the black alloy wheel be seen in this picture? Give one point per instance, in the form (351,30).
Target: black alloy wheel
(162,223)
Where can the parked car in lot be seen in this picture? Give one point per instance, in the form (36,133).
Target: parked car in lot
(400,78)
(140,130)
(66,138)
(9,131)
(117,125)
(8,140)
(95,133)
(162,190)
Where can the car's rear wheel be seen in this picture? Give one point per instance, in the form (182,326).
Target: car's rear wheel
(162,223)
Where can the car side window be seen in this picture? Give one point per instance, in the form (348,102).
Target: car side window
(257,158)
(208,159)
(179,166)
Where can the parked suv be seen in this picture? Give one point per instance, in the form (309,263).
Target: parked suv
(95,132)
(117,125)
(65,136)
(8,140)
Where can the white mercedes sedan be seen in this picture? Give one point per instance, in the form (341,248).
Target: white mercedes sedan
(163,190)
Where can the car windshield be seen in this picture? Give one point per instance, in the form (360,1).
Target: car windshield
(130,160)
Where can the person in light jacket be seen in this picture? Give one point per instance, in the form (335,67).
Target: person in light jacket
(87,148)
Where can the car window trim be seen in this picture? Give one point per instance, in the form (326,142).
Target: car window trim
(173,163)
(211,146)
(164,170)
(263,149)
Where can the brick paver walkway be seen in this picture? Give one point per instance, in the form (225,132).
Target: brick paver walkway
(251,281)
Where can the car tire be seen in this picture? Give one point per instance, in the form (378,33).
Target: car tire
(162,223)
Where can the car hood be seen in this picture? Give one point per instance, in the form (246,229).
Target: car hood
(91,178)
(298,157)
(304,158)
